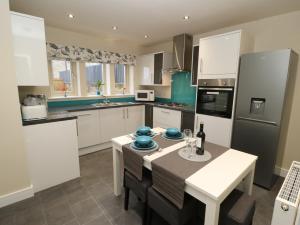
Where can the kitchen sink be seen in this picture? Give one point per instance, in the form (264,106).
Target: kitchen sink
(103,104)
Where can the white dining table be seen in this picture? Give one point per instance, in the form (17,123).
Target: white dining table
(210,185)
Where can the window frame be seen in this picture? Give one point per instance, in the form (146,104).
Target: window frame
(86,81)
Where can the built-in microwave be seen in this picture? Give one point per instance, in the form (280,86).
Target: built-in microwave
(145,95)
(215,97)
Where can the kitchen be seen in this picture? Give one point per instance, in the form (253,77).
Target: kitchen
(81,118)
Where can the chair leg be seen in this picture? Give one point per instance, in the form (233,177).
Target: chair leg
(145,213)
(126,201)
(149,215)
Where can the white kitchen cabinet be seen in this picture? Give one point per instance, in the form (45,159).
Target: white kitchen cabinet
(88,128)
(29,50)
(151,66)
(217,129)
(112,123)
(219,54)
(52,151)
(135,118)
(116,122)
(146,69)
(166,118)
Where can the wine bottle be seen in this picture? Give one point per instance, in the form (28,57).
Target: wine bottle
(200,139)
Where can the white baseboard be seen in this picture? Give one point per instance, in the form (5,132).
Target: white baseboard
(16,196)
(281,171)
(95,148)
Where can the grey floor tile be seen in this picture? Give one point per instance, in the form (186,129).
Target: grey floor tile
(52,197)
(59,215)
(127,218)
(30,216)
(72,222)
(100,189)
(7,219)
(102,220)
(112,205)
(77,194)
(86,211)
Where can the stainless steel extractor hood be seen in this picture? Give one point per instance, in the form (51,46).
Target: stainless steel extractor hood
(182,53)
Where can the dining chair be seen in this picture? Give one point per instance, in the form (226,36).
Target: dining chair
(237,209)
(139,188)
(168,211)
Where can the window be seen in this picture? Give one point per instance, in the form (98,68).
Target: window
(120,76)
(61,76)
(93,73)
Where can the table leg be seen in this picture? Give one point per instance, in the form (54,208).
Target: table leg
(248,182)
(212,211)
(117,171)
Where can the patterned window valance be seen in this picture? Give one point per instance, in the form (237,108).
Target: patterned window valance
(73,53)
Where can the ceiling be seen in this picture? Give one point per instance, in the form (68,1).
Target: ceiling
(160,19)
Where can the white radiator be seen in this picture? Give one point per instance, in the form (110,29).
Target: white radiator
(286,209)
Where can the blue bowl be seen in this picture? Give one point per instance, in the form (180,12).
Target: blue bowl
(144,131)
(173,132)
(143,141)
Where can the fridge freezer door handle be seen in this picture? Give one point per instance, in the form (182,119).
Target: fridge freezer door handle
(257,120)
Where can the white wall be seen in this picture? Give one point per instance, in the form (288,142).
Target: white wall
(13,161)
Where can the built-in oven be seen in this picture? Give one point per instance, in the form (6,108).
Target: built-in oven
(215,97)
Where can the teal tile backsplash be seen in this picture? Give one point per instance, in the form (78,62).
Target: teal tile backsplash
(182,91)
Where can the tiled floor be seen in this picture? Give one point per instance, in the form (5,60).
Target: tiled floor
(90,201)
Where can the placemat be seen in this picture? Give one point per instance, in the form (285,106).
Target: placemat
(170,171)
(133,160)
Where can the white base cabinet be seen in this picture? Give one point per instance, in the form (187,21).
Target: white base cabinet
(52,151)
(166,118)
(88,128)
(115,122)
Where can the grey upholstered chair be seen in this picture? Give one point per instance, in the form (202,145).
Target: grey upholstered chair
(168,211)
(139,188)
(237,209)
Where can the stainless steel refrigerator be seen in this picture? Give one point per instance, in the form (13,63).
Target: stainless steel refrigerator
(260,107)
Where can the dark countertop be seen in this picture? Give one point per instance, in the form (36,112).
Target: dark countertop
(52,117)
(186,108)
(65,113)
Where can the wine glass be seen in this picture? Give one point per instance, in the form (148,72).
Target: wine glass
(187,134)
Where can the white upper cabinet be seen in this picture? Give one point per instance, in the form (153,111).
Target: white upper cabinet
(151,66)
(29,50)
(219,54)
(146,69)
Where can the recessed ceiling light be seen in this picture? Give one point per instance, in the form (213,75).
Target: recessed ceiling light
(146,36)
(71,16)
(186,17)
(114,27)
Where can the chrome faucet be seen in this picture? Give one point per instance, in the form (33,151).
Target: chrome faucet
(106,100)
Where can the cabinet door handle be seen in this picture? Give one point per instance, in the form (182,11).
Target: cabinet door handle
(127,114)
(77,128)
(83,115)
(201,65)
(165,112)
(123,113)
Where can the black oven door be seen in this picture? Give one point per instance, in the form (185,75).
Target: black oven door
(215,101)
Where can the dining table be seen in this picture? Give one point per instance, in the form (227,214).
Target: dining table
(211,184)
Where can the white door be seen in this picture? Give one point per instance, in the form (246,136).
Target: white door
(88,129)
(112,123)
(52,152)
(134,118)
(146,69)
(219,55)
(29,50)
